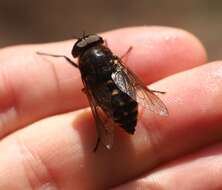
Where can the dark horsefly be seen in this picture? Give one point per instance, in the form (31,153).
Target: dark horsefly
(113,90)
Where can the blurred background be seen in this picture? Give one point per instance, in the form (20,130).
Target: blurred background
(30,21)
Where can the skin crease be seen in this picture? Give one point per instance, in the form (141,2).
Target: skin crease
(56,153)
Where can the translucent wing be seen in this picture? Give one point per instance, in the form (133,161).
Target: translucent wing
(104,124)
(129,83)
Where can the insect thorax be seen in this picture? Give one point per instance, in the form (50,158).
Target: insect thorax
(96,64)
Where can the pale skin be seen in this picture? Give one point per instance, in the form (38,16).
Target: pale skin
(182,150)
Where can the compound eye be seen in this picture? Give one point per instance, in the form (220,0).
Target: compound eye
(82,44)
(93,38)
(78,47)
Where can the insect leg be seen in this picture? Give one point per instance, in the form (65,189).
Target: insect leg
(126,53)
(98,133)
(157,91)
(97,144)
(63,56)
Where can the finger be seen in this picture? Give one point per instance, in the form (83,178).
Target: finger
(65,146)
(159,51)
(201,170)
(32,87)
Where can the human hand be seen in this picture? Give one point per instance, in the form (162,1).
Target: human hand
(179,151)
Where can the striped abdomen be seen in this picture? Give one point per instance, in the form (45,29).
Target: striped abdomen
(124,108)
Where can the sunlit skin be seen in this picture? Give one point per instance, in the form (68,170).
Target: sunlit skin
(182,149)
